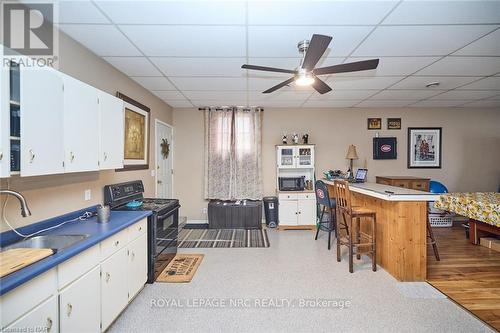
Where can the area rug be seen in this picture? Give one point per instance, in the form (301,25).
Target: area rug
(222,238)
(181,269)
(419,290)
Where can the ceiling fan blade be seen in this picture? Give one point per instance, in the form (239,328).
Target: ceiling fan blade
(269,69)
(349,67)
(317,47)
(281,85)
(321,86)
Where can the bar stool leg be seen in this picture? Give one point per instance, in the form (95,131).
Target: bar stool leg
(358,237)
(433,240)
(351,255)
(374,243)
(319,224)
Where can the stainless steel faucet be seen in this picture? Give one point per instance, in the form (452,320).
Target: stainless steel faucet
(25,211)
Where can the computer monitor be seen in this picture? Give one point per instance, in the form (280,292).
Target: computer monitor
(361,175)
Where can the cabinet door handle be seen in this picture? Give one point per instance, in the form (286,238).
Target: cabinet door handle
(140,228)
(105,156)
(1,156)
(117,243)
(108,276)
(71,157)
(133,255)
(49,324)
(296,213)
(70,309)
(32,155)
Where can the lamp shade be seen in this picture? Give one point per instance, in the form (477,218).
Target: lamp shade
(351,153)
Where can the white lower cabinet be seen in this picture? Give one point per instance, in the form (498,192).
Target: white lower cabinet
(138,265)
(114,287)
(297,209)
(79,303)
(43,318)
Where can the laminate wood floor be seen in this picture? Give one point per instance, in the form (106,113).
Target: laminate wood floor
(468,274)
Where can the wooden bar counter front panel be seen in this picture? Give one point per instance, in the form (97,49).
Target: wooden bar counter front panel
(401,234)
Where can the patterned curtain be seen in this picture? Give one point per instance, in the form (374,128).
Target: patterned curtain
(233,167)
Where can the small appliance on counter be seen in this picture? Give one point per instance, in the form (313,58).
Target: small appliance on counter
(163,224)
(291,183)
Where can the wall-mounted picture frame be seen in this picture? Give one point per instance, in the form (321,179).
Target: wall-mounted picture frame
(374,123)
(136,134)
(385,148)
(424,147)
(393,123)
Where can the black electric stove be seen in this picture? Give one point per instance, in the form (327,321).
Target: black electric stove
(163,224)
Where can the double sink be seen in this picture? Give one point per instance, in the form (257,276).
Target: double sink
(55,242)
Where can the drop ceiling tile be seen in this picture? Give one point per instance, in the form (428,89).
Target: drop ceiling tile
(280,94)
(437,104)
(483,104)
(133,66)
(103,40)
(209,83)
(330,103)
(188,41)
(489,83)
(153,83)
(80,12)
(277,103)
(168,95)
(344,95)
(318,12)
(200,66)
(487,46)
(225,102)
(286,63)
(405,94)
(362,83)
(445,82)
(463,66)
(281,41)
(466,94)
(215,95)
(388,66)
(445,12)
(419,40)
(383,104)
(179,104)
(174,12)
(264,83)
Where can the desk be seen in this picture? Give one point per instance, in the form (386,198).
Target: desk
(401,226)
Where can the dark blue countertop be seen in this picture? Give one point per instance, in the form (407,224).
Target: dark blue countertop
(98,231)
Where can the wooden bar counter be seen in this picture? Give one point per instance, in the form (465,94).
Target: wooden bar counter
(401,226)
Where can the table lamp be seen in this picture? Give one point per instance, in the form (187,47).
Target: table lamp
(351,156)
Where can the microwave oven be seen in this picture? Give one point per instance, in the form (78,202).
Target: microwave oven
(291,183)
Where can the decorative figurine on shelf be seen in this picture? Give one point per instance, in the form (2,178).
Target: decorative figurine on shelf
(284,139)
(295,138)
(305,139)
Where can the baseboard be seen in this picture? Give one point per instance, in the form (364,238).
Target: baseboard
(189,221)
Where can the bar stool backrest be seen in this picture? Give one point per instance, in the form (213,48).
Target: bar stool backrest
(322,197)
(342,195)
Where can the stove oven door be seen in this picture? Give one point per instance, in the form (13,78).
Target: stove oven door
(165,239)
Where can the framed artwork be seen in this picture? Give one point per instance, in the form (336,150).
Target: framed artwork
(424,147)
(393,123)
(374,123)
(136,134)
(385,148)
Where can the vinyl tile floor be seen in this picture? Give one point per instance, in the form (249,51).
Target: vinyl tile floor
(296,285)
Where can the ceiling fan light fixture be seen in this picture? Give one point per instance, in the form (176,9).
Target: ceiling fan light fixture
(304,79)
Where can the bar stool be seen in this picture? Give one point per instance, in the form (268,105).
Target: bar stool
(327,203)
(351,217)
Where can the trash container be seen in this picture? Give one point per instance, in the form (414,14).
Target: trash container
(271,211)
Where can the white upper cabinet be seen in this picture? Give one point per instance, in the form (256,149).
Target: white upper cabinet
(42,150)
(4,122)
(81,126)
(111,148)
(293,157)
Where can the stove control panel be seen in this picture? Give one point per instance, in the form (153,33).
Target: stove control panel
(116,194)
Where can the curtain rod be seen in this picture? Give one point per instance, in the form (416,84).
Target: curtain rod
(220,108)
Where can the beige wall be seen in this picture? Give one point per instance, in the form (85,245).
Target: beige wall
(471,138)
(50,196)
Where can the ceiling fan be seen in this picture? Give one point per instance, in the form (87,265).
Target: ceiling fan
(306,74)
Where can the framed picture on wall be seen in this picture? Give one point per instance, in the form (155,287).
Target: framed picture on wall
(385,148)
(393,123)
(136,133)
(424,147)
(374,123)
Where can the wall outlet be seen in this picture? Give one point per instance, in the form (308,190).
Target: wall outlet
(204,210)
(88,195)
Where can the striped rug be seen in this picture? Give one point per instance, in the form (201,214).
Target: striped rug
(222,238)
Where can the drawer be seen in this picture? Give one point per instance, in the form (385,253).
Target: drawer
(401,183)
(114,243)
(19,301)
(75,267)
(138,229)
(383,181)
(288,196)
(420,185)
(306,196)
